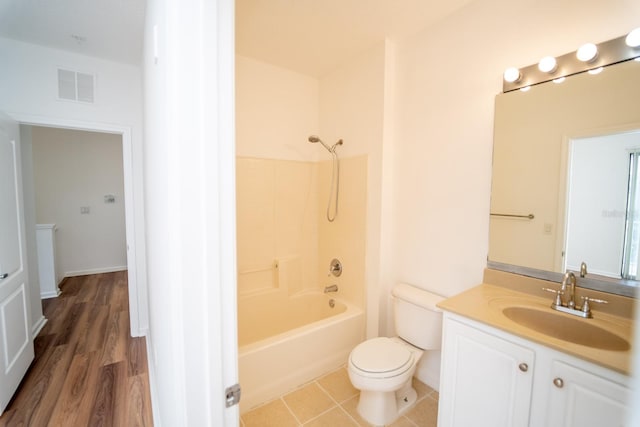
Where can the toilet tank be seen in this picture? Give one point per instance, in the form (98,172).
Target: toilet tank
(417,318)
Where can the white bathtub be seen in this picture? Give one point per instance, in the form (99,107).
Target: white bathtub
(287,341)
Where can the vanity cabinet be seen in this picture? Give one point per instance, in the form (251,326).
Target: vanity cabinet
(485,380)
(490,378)
(580,398)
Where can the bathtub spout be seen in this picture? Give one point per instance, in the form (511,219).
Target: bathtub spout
(332,288)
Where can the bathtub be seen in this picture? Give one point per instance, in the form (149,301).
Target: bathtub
(285,342)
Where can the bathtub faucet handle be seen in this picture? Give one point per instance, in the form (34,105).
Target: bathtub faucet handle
(331,288)
(335,268)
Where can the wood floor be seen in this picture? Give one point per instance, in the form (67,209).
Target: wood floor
(87,371)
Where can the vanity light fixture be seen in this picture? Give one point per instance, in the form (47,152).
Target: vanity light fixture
(589,57)
(559,79)
(633,38)
(595,71)
(588,52)
(512,75)
(548,64)
(525,89)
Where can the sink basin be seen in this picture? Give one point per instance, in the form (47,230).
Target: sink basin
(578,331)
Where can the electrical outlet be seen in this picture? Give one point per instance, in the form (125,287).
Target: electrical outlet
(84,210)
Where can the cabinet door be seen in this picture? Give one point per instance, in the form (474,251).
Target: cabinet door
(582,399)
(486,380)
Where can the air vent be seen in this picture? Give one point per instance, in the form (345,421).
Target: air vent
(75,86)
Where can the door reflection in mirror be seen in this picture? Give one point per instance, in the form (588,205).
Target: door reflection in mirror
(602,205)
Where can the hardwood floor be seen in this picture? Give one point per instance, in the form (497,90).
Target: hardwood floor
(87,371)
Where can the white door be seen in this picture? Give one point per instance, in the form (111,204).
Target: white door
(16,344)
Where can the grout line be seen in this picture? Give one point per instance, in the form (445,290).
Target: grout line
(291,411)
(335,403)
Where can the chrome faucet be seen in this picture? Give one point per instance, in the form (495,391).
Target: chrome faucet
(571,278)
(570,307)
(331,288)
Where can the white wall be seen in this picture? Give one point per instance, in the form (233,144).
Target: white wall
(28,192)
(28,92)
(190,210)
(74,169)
(447,78)
(277,111)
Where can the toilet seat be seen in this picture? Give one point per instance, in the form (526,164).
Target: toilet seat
(381,357)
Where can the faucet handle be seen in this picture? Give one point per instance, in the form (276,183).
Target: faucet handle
(585,306)
(558,293)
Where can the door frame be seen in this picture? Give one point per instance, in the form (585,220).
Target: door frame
(135,262)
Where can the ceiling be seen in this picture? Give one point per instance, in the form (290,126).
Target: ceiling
(110,29)
(314,36)
(308,36)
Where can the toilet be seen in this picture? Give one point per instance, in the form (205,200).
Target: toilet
(382,368)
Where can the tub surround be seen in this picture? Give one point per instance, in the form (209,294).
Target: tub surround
(484,303)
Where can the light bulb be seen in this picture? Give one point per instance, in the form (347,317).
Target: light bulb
(512,75)
(547,64)
(587,52)
(633,38)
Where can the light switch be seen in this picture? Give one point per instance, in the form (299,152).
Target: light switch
(547,228)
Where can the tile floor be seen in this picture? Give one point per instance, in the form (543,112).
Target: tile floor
(331,401)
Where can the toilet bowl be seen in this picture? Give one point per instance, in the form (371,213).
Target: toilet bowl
(382,368)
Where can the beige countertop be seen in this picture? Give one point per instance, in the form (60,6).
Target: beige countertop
(484,303)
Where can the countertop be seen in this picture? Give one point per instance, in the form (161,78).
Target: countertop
(484,303)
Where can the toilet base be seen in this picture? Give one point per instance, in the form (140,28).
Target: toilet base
(382,408)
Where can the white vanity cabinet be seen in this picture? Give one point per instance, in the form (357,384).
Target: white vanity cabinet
(490,378)
(485,380)
(581,398)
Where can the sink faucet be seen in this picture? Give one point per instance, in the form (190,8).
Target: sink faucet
(331,288)
(571,279)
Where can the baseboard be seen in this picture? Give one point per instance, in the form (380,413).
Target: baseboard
(151,369)
(37,327)
(95,271)
(50,294)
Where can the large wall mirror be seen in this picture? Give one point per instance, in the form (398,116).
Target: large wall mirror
(566,179)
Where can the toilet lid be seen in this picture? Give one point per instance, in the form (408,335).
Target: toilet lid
(379,355)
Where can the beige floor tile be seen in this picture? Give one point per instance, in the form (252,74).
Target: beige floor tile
(421,388)
(338,385)
(336,417)
(402,422)
(274,414)
(425,413)
(308,402)
(351,406)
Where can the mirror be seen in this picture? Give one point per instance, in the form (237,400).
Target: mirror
(562,161)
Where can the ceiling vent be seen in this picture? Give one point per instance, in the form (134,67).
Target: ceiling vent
(76,86)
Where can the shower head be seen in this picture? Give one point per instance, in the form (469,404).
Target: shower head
(316,138)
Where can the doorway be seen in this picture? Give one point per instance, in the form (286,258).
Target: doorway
(78,188)
(133,232)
